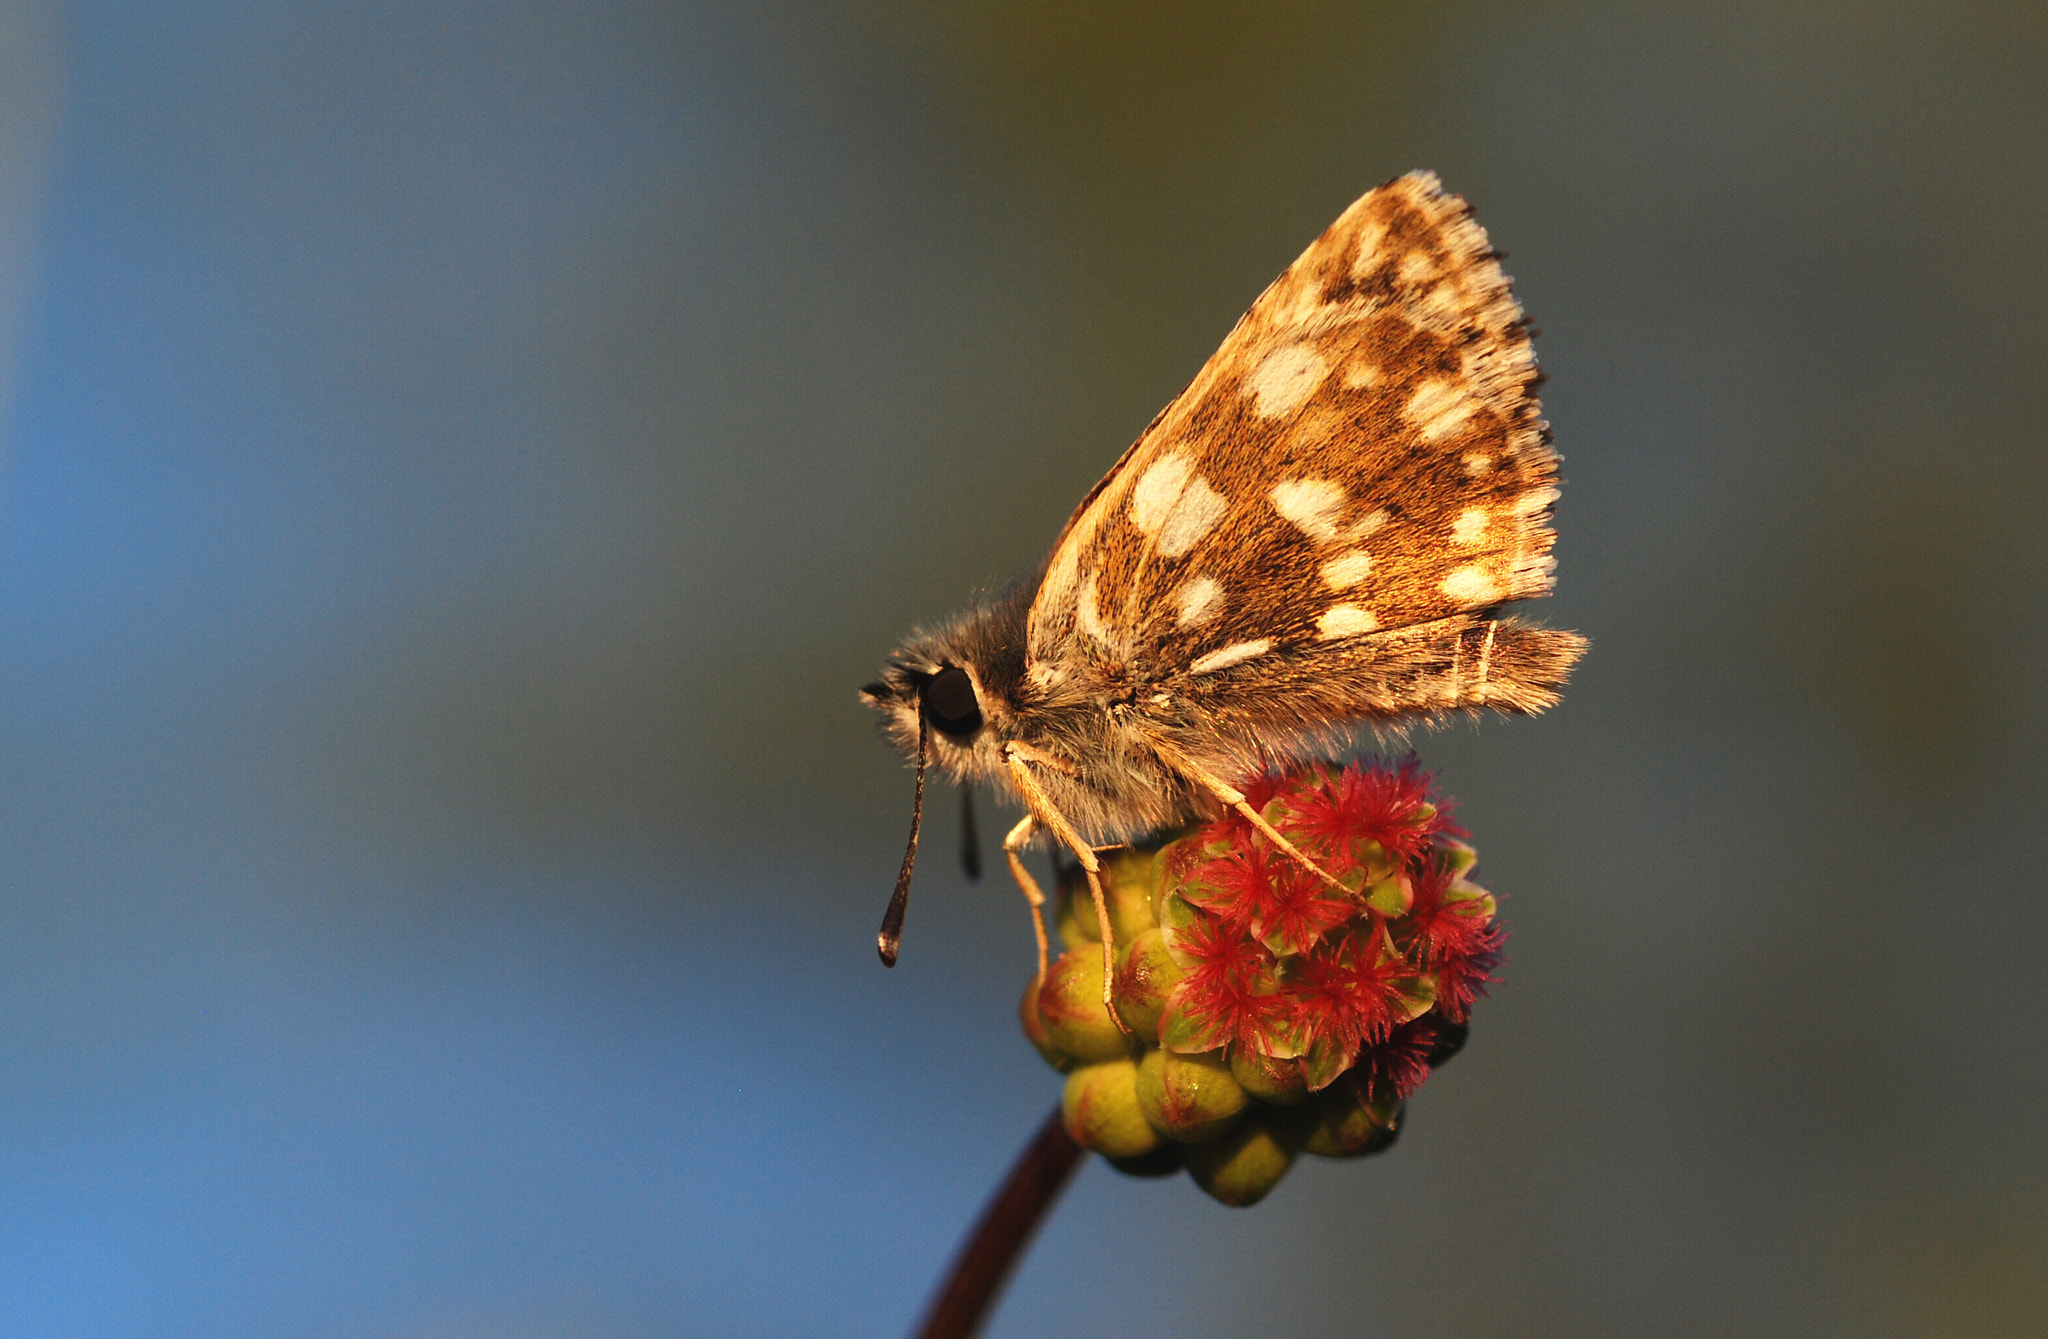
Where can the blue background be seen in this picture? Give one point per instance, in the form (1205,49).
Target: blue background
(460,459)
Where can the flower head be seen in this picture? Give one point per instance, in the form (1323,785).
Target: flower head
(1290,1015)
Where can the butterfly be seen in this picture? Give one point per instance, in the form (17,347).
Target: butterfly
(1316,536)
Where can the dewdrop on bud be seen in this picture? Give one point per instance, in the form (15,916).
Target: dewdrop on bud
(1145,976)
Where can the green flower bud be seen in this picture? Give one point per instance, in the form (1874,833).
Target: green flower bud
(1073,928)
(1269,1079)
(1101,1110)
(1035,1033)
(1465,891)
(1176,917)
(1337,1124)
(1144,978)
(1071,1011)
(1189,1098)
(1126,889)
(1391,896)
(1162,1161)
(1240,1166)
(1374,864)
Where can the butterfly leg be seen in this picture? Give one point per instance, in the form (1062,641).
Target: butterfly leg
(1012,846)
(1234,797)
(1018,758)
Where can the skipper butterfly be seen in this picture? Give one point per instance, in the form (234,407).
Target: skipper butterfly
(1317,535)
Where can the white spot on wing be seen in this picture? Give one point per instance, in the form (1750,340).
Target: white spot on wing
(1441,306)
(1417,266)
(1345,620)
(1087,616)
(1193,516)
(1174,505)
(1056,593)
(1478,463)
(1478,689)
(1235,654)
(1199,601)
(1470,527)
(1438,408)
(1287,376)
(1370,236)
(1471,585)
(1360,373)
(1312,504)
(1156,491)
(1347,570)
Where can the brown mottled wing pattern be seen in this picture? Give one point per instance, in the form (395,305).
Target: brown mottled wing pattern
(1349,487)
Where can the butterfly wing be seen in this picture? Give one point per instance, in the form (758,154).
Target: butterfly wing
(1340,499)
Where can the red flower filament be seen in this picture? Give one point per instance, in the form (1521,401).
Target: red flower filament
(1279,963)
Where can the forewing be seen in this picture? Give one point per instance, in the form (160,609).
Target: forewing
(1364,454)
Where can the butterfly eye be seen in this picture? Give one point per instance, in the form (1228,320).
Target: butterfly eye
(950,704)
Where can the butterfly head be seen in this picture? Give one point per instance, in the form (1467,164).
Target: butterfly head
(936,706)
(943,700)
(953,694)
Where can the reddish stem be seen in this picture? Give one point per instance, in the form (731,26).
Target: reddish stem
(1005,1229)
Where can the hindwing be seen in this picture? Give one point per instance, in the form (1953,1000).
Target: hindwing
(1362,459)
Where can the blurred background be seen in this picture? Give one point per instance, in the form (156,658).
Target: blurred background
(460,460)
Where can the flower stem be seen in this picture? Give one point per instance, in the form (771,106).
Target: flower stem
(992,1250)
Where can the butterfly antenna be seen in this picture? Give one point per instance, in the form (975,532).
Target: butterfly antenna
(891,937)
(970,837)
